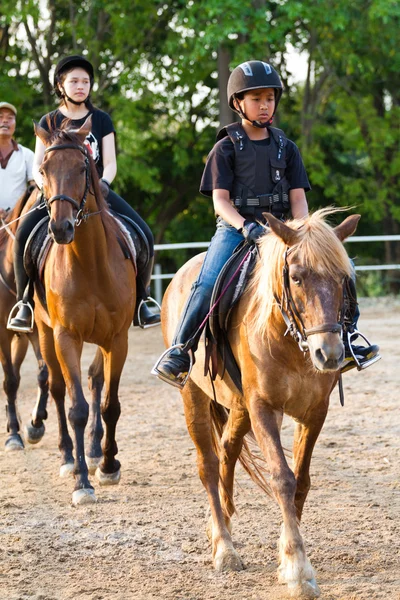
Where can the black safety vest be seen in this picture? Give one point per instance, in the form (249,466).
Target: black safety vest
(275,187)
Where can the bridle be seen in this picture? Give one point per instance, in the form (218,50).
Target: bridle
(292,317)
(81,216)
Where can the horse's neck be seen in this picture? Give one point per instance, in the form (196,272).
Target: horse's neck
(91,240)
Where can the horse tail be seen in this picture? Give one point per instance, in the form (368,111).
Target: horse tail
(252,463)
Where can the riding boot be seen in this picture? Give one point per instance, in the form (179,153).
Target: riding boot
(356,356)
(23,320)
(144,317)
(175,364)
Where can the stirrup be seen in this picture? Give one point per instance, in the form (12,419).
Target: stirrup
(161,376)
(366,363)
(152,301)
(12,313)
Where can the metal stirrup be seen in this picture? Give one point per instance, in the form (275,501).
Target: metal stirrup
(11,316)
(180,385)
(366,363)
(152,301)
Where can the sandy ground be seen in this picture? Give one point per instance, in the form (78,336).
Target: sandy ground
(145,539)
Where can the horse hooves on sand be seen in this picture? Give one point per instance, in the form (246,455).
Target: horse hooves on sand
(92,463)
(305,590)
(14,443)
(229,560)
(108,478)
(67,469)
(34,434)
(83,496)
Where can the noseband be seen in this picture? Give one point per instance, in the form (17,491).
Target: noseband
(79,206)
(292,317)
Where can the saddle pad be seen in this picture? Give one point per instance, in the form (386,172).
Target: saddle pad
(219,320)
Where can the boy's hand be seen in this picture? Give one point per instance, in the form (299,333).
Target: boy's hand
(252,231)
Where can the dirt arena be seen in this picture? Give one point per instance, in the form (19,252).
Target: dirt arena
(145,539)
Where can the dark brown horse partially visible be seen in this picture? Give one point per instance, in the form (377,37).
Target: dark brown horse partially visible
(13,347)
(301,270)
(90,293)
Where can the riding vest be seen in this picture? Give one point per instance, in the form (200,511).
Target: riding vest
(259,168)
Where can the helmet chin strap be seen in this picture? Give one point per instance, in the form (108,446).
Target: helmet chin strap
(242,114)
(71,100)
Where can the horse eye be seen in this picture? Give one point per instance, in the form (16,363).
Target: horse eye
(295,279)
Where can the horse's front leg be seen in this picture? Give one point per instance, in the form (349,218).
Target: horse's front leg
(305,437)
(109,472)
(69,349)
(96,432)
(295,569)
(34,430)
(11,369)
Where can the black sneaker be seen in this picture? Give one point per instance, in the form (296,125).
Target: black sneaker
(365,355)
(23,320)
(173,367)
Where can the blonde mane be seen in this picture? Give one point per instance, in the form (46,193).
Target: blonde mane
(319,249)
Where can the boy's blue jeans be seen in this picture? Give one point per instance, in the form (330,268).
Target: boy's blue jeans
(223,243)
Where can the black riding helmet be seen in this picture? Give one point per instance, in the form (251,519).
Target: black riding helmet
(66,64)
(252,75)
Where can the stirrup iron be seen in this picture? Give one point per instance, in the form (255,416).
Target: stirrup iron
(150,300)
(14,310)
(367,363)
(161,376)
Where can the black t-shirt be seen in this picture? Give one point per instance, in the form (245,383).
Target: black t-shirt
(219,172)
(102,125)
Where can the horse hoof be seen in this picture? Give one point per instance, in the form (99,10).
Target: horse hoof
(92,463)
(83,496)
(67,469)
(34,434)
(14,443)
(108,478)
(229,560)
(306,589)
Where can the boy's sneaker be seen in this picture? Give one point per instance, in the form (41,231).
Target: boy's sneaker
(360,357)
(173,366)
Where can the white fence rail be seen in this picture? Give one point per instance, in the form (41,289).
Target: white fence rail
(158,276)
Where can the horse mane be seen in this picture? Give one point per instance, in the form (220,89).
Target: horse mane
(319,249)
(67,134)
(12,215)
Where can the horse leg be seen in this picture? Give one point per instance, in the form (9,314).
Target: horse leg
(11,385)
(109,471)
(34,431)
(68,351)
(198,420)
(305,437)
(96,382)
(57,391)
(295,568)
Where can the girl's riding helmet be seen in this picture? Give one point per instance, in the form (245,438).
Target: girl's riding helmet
(253,75)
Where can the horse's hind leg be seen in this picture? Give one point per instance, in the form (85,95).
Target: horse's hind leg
(34,430)
(295,569)
(96,382)
(109,472)
(11,384)
(198,420)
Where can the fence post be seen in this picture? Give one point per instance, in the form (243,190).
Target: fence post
(158,284)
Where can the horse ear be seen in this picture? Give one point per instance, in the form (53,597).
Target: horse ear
(287,234)
(347,228)
(42,134)
(85,129)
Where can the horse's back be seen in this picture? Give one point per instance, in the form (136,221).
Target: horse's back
(176,295)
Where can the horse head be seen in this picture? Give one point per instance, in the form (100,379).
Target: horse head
(66,178)
(310,272)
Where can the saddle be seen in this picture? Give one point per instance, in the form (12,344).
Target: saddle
(131,239)
(229,287)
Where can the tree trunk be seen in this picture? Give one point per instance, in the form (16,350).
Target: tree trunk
(225,113)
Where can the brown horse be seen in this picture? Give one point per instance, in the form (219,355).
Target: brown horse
(298,282)
(13,347)
(90,294)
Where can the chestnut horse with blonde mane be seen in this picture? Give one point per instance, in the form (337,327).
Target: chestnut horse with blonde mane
(298,281)
(90,295)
